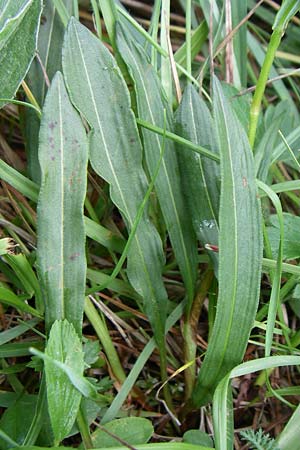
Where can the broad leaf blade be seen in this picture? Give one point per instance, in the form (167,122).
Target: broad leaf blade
(97,89)
(200,176)
(132,430)
(240,251)
(19,24)
(63,398)
(50,40)
(61,238)
(151,106)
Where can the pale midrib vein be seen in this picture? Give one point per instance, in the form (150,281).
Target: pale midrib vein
(229,327)
(21,11)
(200,162)
(146,271)
(62,182)
(166,174)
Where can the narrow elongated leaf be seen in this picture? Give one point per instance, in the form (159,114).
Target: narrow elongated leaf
(19,24)
(102,96)
(200,176)
(289,437)
(240,251)
(63,398)
(17,418)
(151,106)
(31,190)
(156,446)
(50,40)
(288,9)
(238,12)
(9,298)
(223,425)
(61,238)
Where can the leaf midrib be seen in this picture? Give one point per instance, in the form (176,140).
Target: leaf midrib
(166,173)
(146,271)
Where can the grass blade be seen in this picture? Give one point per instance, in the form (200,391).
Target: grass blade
(61,238)
(151,106)
(116,157)
(222,427)
(240,251)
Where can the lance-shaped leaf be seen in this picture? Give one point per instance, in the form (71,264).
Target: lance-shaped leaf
(19,24)
(50,40)
(63,153)
(240,251)
(63,398)
(98,90)
(200,175)
(152,104)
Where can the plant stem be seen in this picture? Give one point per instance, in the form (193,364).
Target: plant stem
(190,332)
(188,36)
(84,429)
(105,339)
(262,81)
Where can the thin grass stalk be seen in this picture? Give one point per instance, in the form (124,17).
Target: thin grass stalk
(188,37)
(281,22)
(101,330)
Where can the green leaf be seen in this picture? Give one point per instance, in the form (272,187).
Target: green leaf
(63,398)
(49,45)
(288,9)
(223,430)
(9,298)
(21,267)
(132,430)
(63,156)
(238,12)
(291,244)
(158,446)
(152,106)
(289,437)
(31,190)
(19,24)
(16,419)
(94,80)
(240,251)
(194,122)
(18,348)
(14,332)
(198,437)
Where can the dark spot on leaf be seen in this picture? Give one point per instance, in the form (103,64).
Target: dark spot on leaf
(74,256)
(132,140)
(52,126)
(43,20)
(52,158)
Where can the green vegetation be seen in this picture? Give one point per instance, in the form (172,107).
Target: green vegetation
(149,248)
